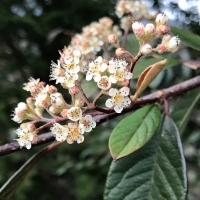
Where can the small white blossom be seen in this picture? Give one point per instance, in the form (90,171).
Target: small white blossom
(57,72)
(25,137)
(75,133)
(104,83)
(95,68)
(71,65)
(60,132)
(95,44)
(117,67)
(88,123)
(70,79)
(119,99)
(19,112)
(32,82)
(126,22)
(74,113)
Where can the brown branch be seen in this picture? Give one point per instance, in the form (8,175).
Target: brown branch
(102,117)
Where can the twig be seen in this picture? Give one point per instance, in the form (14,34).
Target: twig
(102,117)
(83,93)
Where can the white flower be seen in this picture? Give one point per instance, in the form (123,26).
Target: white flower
(87,123)
(60,132)
(104,83)
(95,68)
(75,133)
(119,99)
(95,44)
(125,22)
(70,79)
(74,113)
(118,70)
(19,112)
(32,82)
(173,44)
(71,65)
(57,72)
(25,137)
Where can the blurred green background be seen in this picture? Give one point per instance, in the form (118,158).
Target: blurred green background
(31,32)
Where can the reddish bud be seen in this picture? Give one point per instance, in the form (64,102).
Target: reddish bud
(74,90)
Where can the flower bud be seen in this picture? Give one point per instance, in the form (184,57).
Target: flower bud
(79,102)
(161,30)
(150,29)
(31,127)
(44,104)
(53,110)
(119,52)
(74,90)
(30,101)
(146,49)
(173,44)
(112,39)
(64,113)
(126,83)
(35,139)
(34,90)
(166,38)
(52,89)
(161,19)
(138,28)
(161,48)
(42,84)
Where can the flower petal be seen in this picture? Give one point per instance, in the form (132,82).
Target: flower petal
(118,108)
(109,103)
(125,91)
(113,92)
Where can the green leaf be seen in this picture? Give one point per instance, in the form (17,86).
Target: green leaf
(183,108)
(9,188)
(157,171)
(144,63)
(134,131)
(132,44)
(191,39)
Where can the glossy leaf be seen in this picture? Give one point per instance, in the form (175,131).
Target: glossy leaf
(157,171)
(144,63)
(9,188)
(189,38)
(134,131)
(183,108)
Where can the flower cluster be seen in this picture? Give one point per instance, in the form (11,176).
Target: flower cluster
(112,76)
(73,131)
(145,34)
(138,9)
(93,38)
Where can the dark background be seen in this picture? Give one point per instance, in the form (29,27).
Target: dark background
(27,47)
